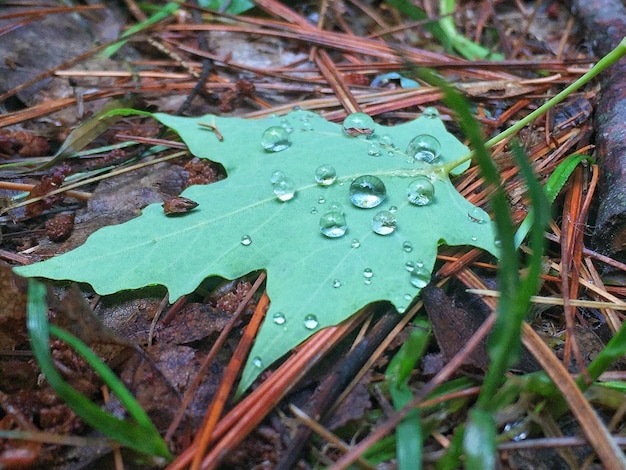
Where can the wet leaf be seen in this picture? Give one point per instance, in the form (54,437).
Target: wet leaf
(282,209)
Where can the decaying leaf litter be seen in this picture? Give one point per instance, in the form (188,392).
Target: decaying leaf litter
(334,83)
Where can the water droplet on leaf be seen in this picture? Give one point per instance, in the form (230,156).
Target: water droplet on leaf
(407,246)
(313,210)
(310,322)
(384,223)
(368,273)
(321,200)
(325,175)
(477,215)
(279,318)
(246,240)
(277,176)
(393,209)
(275,139)
(355,243)
(374,150)
(430,112)
(367,191)
(409,266)
(385,140)
(420,277)
(408,297)
(358,124)
(285,124)
(284,189)
(336,283)
(423,148)
(333,224)
(257,362)
(420,191)
(497,242)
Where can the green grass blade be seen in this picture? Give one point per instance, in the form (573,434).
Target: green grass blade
(163,13)
(553,187)
(479,441)
(142,437)
(409,434)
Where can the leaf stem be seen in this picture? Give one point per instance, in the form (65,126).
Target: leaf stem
(604,63)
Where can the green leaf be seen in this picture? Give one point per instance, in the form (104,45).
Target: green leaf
(479,441)
(303,266)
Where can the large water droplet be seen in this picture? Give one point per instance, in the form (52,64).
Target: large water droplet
(420,191)
(420,277)
(424,148)
(355,243)
(384,223)
(310,322)
(367,191)
(257,362)
(246,240)
(325,175)
(358,124)
(279,318)
(477,215)
(430,112)
(275,139)
(284,189)
(407,246)
(333,224)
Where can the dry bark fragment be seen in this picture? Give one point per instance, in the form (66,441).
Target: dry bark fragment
(605,25)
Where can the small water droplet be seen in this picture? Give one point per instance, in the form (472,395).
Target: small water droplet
(374,150)
(284,189)
(357,124)
(400,309)
(336,207)
(336,283)
(277,176)
(313,210)
(279,318)
(310,322)
(246,240)
(368,273)
(296,107)
(430,112)
(333,224)
(408,297)
(420,191)
(474,238)
(367,191)
(321,200)
(355,243)
(384,223)
(305,125)
(275,139)
(420,277)
(325,175)
(257,362)
(285,124)
(393,209)
(409,266)
(407,246)
(419,264)
(477,215)
(497,242)
(424,148)
(385,140)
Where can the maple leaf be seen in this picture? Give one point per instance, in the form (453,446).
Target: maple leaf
(266,215)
